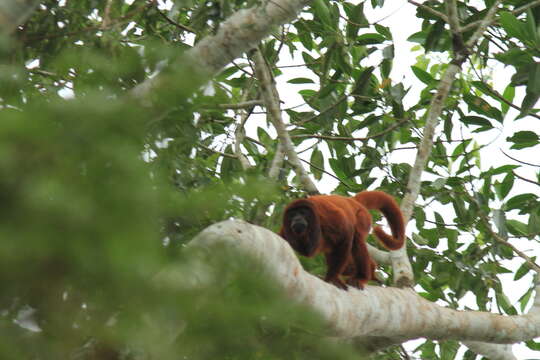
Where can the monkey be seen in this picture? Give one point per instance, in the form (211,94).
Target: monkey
(338,227)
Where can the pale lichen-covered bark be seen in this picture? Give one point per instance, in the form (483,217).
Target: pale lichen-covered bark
(272,107)
(385,315)
(403,275)
(491,351)
(237,35)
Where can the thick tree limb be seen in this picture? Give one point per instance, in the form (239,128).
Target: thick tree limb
(237,35)
(376,313)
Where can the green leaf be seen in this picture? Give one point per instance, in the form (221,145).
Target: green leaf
(439,183)
(524,139)
(317,163)
(388,52)
(533,83)
(516,228)
(524,300)
(356,17)
(531,27)
(505,304)
(336,167)
(369,39)
(533,345)
(362,83)
(500,170)
(386,68)
(384,31)
(515,57)
(533,226)
(528,103)
(449,350)
(227,72)
(506,185)
(419,239)
(513,26)
(264,137)
(304,35)
(522,271)
(321,11)
(300,80)
(520,201)
(480,106)
(477,120)
(508,95)
(423,76)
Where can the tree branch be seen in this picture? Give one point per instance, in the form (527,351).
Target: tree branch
(514,12)
(430,10)
(242,105)
(375,317)
(401,265)
(525,179)
(345,138)
(272,106)
(520,161)
(238,34)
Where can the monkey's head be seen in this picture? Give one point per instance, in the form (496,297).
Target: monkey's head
(301,227)
(299,218)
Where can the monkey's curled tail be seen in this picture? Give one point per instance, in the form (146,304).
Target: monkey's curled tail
(379,200)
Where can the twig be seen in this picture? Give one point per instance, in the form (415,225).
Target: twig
(455,28)
(277,162)
(525,179)
(484,23)
(519,161)
(345,138)
(514,12)
(241,69)
(430,10)
(326,172)
(240,134)
(501,98)
(241,105)
(322,112)
(453,19)
(172,22)
(107,15)
(232,156)
(520,253)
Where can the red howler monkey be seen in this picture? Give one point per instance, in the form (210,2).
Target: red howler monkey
(338,226)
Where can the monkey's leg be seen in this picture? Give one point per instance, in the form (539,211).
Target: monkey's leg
(336,260)
(365,267)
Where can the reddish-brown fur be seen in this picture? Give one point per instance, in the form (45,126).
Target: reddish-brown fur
(338,226)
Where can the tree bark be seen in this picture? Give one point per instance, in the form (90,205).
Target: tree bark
(376,316)
(237,35)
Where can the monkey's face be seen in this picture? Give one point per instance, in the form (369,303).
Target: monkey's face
(299,220)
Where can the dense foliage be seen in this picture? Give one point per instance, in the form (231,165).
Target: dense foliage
(100,191)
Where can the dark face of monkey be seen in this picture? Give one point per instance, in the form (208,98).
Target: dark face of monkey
(299,220)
